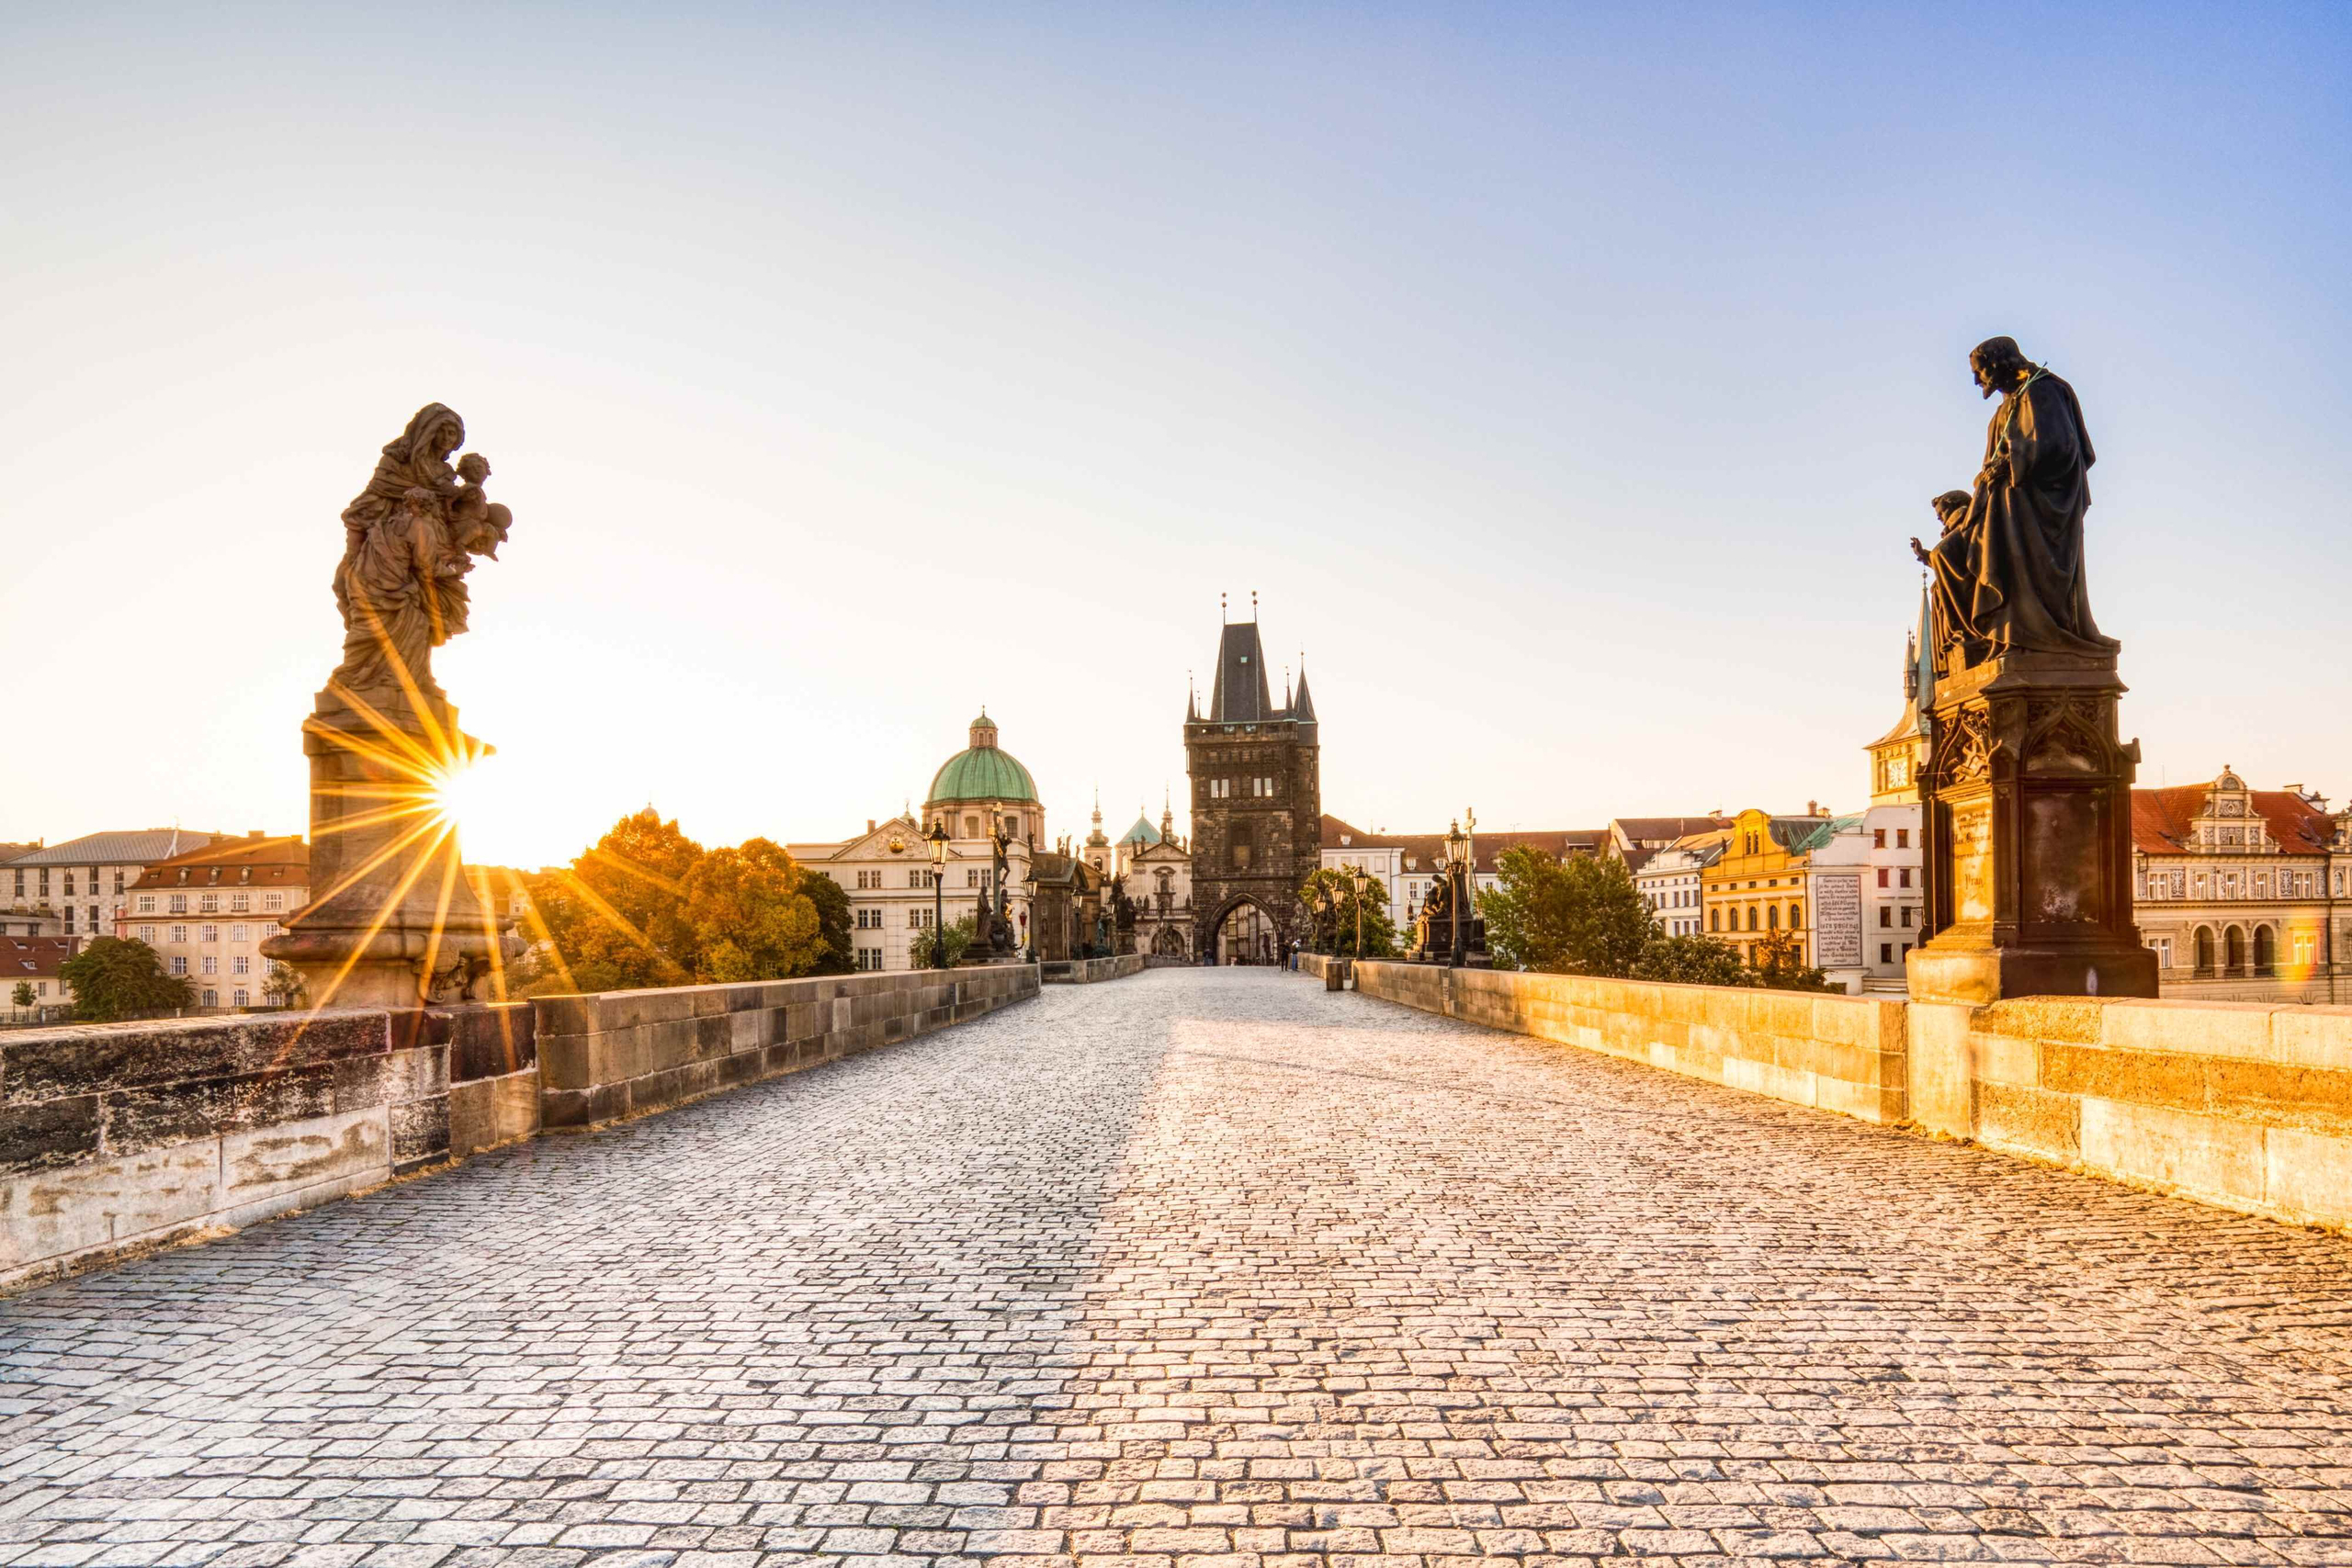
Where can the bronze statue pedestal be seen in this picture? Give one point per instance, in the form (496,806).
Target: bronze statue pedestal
(393,922)
(2027,817)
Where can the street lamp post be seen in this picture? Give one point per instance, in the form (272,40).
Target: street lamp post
(1362,883)
(937,838)
(1457,854)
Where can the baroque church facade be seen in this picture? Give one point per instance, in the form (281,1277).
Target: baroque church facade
(1255,773)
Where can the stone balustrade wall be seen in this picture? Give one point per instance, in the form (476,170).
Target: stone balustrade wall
(1838,1053)
(117,1137)
(114,1137)
(1087,971)
(2247,1106)
(623,1052)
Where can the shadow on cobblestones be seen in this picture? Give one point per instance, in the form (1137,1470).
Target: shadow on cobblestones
(1202,1265)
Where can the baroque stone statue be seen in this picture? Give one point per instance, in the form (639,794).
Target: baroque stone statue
(2009,571)
(409,538)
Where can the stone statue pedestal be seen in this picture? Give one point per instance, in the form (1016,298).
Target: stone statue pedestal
(2028,817)
(392,922)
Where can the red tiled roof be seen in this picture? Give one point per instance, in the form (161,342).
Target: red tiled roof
(31,958)
(238,862)
(1428,847)
(2161,818)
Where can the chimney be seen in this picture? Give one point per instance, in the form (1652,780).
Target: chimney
(1813,809)
(870,824)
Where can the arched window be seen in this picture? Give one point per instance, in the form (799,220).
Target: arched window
(1714,920)
(1796,917)
(2266,950)
(1772,917)
(1751,916)
(2205,951)
(2233,951)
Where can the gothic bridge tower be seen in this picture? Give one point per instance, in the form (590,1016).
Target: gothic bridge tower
(1257,805)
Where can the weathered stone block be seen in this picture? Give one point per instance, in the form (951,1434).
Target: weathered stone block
(161,1115)
(268,1161)
(2211,1157)
(46,1064)
(2147,1077)
(1937,1067)
(2307,1176)
(51,1215)
(485,1112)
(490,1041)
(2211,1029)
(48,1132)
(566,1015)
(2029,1120)
(566,1108)
(420,1132)
(2005,1059)
(2312,1036)
(2071,1019)
(2274,1091)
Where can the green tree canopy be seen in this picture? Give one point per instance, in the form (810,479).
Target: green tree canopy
(23,994)
(958,935)
(1334,899)
(831,903)
(1579,916)
(647,905)
(1779,965)
(1691,960)
(116,977)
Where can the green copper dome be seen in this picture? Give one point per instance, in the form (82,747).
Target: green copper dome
(982,771)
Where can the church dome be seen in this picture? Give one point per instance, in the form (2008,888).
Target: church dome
(982,771)
(1143,832)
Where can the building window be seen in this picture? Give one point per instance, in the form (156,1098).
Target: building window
(211,966)
(240,964)
(117,879)
(207,934)
(1882,876)
(919,919)
(1906,916)
(147,935)
(1903,837)
(179,963)
(240,903)
(207,904)
(1796,917)
(240,998)
(146,903)
(1751,916)
(1886,915)
(212,998)
(179,904)
(273,900)
(869,958)
(1878,838)
(237,933)
(2162,947)
(1903,880)
(268,930)
(69,885)
(179,933)
(1714,920)
(1886,953)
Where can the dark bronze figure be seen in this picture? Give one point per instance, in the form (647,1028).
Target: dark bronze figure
(2010,574)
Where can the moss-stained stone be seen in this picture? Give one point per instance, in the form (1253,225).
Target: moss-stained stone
(2147,1077)
(2029,1120)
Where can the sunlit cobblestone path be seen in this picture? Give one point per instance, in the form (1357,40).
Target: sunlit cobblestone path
(1201,1267)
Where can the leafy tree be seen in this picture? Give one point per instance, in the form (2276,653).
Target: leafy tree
(285,985)
(23,994)
(617,916)
(116,977)
(958,935)
(1332,896)
(1691,960)
(831,903)
(1779,965)
(747,918)
(1579,916)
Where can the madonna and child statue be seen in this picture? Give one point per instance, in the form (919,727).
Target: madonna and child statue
(2026,790)
(394,920)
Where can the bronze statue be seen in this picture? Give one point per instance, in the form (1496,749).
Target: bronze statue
(409,540)
(2009,575)
(1952,566)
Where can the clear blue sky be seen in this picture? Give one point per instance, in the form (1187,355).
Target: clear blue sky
(1567,381)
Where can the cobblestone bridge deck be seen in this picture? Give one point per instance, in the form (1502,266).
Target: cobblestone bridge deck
(1205,1267)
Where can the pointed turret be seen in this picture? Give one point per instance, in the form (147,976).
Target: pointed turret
(1304,709)
(1240,694)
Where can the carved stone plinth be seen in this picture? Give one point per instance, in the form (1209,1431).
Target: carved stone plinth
(2028,798)
(392,922)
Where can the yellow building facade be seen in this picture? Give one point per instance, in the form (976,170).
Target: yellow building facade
(1758,888)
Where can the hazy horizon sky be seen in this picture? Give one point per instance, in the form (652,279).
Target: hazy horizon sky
(1565,381)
